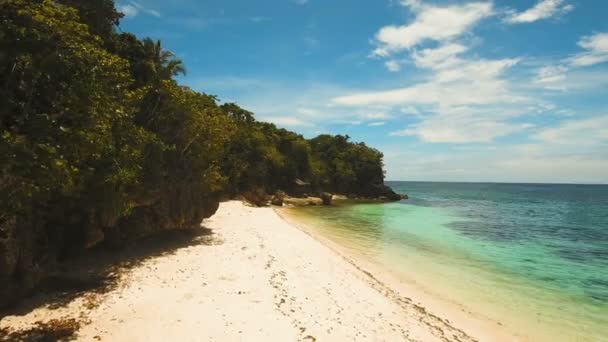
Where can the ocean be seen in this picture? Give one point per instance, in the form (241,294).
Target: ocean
(533,257)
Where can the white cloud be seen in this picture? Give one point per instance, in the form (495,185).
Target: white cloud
(558,169)
(597,50)
(563,154)
(465,100)
(347,122)
(377,123)
(466,83)
(495,163)
(128,10)
(288,121)
(393,65)
(542,10)
(460,129)
(377,116)
(431,23)
(573,152)
(476,71)
(410,110)
(438,58)
(578,132)
(133,8)
(552,77)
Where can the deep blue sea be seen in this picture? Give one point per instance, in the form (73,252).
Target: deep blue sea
(533,257)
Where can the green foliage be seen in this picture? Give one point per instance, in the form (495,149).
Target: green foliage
(65,110)
(347,167)
(263,155)
(100,16)
(95,133)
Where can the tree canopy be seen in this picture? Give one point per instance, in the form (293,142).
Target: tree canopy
(99,143)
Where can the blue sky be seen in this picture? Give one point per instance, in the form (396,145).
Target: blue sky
(504,91)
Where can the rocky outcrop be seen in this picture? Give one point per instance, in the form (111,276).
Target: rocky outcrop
(31,246)
(257,196)
(386,193)
(326,197)
(299,202)
(278,198)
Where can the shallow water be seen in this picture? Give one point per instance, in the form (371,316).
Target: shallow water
(532,257)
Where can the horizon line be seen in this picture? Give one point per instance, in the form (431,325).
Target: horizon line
(495,182)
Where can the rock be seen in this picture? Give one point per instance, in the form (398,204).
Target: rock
(300,202)
(278,198)
(257,196)
(31,245)
(326,197)
(315,201)
(294,201)
(384,192)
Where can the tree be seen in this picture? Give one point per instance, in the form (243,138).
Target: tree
(99,15)
(158,64)
(63,103)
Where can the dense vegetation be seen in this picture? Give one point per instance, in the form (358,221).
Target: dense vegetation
(99,143)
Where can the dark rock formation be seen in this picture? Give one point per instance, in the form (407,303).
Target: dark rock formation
(384,192)
(31,246)
(278,198)
(305,201)
(257,196)
(326,197)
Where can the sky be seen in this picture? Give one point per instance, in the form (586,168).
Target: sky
(473,91)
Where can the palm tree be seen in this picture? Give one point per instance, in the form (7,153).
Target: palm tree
(159,64)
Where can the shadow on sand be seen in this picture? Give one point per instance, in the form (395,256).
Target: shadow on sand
(93,274)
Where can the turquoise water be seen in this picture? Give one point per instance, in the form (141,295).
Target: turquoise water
(532,257)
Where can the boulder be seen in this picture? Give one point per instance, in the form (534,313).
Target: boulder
(315,201)
(278,199)
(257,196)
(385,193)
(326,197)
(299,202)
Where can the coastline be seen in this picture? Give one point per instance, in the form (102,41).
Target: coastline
(259,276)
(409,293)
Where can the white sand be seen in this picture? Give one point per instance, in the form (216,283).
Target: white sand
(264,280)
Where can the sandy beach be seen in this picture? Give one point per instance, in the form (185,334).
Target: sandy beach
(252,277)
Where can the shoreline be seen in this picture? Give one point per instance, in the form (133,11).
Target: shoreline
(408,292)
(257,277)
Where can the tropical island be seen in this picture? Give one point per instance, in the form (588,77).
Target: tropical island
(137,205)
